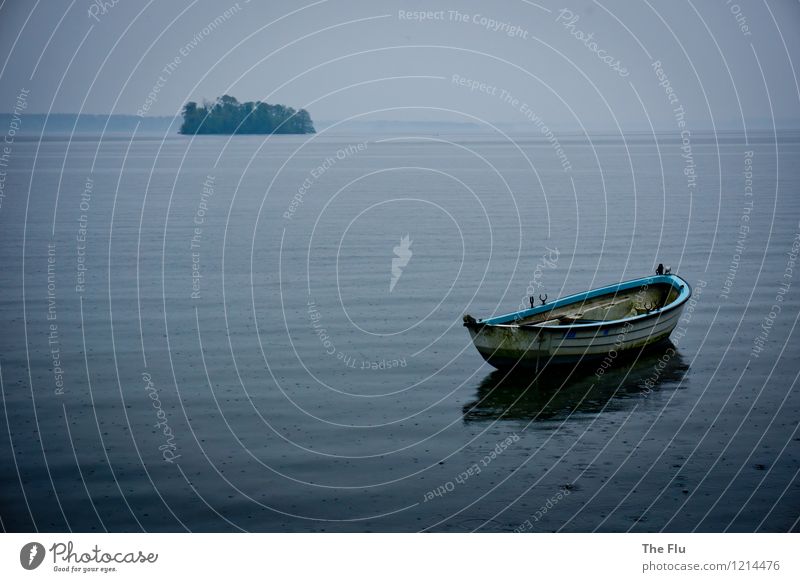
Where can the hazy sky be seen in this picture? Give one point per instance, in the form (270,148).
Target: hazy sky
(725,61)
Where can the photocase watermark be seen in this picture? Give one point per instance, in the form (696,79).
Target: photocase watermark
(420,15)
(383,364)
(53,336)
(543,128)
(477,19)
(100,8)
(760,340)
(31,555)
(677,336)
(14,126)
(450,486)
(688,312)
(479,86)
(549,504)
(196,239)
(169,69)
(316,173)
(566,17)
(82,235)
(315,315)
(741,19)
(680,120)
(613,354)
(744,227)
(568,20)
(508,99)
(347,360)
(549,260)
(472,470)
(510,30)
(658,369)
(402,255)
(169,447)
(94,560)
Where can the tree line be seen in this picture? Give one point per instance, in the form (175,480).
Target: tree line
(227,116)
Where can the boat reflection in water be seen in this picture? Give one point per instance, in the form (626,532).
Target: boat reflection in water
(560,391)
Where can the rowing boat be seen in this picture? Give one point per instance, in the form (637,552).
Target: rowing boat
(587,326)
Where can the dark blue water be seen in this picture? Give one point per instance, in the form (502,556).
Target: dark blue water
(218,345)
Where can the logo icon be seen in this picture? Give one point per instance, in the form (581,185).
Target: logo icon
(31,555)
(402,256)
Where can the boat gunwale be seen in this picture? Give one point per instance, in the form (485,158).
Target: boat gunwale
(681,285)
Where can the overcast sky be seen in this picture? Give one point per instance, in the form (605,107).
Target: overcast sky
(725,61)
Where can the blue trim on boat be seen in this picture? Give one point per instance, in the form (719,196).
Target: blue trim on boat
(685,292)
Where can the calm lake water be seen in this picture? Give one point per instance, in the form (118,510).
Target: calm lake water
(209,334)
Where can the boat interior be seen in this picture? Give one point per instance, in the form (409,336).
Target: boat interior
(612,306)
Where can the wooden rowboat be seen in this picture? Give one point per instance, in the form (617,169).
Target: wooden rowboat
(586,326)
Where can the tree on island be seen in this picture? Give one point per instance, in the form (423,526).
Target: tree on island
(227,116)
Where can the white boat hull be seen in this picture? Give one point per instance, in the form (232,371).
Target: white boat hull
(508,344)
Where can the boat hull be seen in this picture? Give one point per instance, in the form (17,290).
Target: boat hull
(506,345)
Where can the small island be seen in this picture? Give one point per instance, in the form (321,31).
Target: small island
(227,116)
